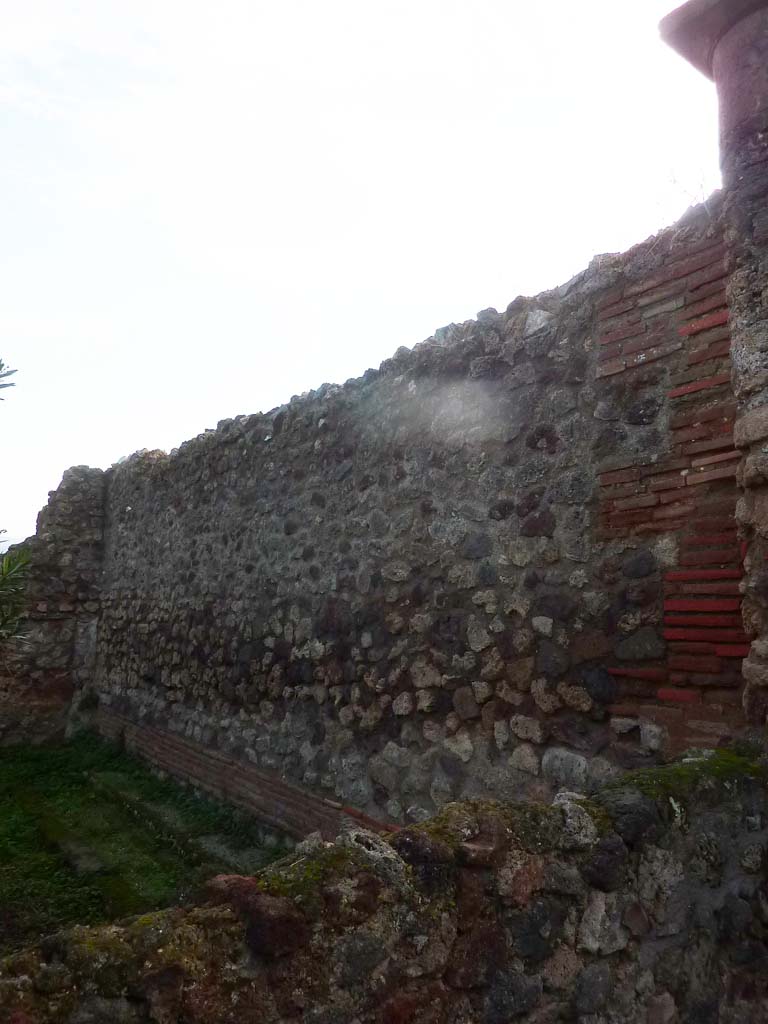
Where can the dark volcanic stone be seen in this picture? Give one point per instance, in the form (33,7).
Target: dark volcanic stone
(274,925)
(543,438)
(536,930)
(642,592)
(635,817)
(593,987)
(426,1003)
(599,684)
(416,847)
(529,502)
(706,1011)
(573,487)
(608,441)
(477,545)
(510,995)
(636,919)
(551,659)
(476,956)
(605,868)
(578,731)
(487,574)
(555,604)
(531,579)
(502,509)
(735,917)
(539,524)
(638,564)
(643,412)
(644,645)
(358,953)
(465,704)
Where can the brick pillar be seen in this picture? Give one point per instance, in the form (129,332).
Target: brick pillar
(728,41)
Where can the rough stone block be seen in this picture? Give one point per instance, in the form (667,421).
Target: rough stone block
(751,427)
(564,769)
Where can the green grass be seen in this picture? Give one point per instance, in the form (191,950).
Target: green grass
(89,834)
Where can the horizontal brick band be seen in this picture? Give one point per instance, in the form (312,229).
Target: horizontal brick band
(706,605)
(275,802)
(704,574)
(704,323)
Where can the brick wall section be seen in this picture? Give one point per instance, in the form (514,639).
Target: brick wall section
(677,321)
(286,808)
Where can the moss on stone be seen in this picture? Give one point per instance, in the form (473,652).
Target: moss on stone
(534,827)
(600,817)
(679,780)
(302,879)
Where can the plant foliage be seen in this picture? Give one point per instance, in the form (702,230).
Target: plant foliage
(4,373)
(13,574)
(88,833)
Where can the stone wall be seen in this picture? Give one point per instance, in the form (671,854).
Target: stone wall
(647,905)
(502,563)
(740,64)
(39,674)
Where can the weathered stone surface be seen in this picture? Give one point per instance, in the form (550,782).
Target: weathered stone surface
(604,869)
(478,637)
(539,524)
(484,913)
(565,769)
(465,704)
(511,995)
(751,427)
(593,988)
(482,691)
(403,704)
(579,829)
(525,759)
(551,659)
(599,684)
(384,773)
(601,930)
(575,697)
(644,645)
(274,925)
(635,816)
(537,929)
(526,728)
(461,745)
(662,1009)
(638,564)
(545,696)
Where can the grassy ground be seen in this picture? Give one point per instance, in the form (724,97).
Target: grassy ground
(88,834)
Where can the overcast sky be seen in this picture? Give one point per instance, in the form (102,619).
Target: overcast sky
(206,208)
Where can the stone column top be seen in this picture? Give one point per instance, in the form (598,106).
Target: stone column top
(695,29)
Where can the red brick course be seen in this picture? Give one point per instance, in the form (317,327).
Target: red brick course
(677,318)
(277,803)
(713,320)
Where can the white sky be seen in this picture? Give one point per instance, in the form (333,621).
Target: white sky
(206,208)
